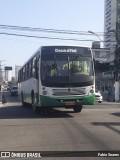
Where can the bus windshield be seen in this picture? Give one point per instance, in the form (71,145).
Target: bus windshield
(66,70)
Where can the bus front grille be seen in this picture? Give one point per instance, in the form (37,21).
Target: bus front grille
(62,92)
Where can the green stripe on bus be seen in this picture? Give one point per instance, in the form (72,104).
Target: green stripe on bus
(50,101)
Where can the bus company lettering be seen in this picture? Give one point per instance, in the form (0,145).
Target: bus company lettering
(66,50)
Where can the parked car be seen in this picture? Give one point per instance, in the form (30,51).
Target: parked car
(3,88)
(99,97)
(14,90)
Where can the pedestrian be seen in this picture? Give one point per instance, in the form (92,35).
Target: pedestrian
(3,99)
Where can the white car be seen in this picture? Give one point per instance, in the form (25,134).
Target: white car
(14,90)
(98,97)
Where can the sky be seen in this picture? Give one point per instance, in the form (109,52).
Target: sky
(74,15)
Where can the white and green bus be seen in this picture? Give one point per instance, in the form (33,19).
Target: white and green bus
(58,76)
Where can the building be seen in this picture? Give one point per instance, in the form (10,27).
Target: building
(112,41)
(101,56)
(111,18)
(16,72)
(1,76)
(111,25)
(8,73)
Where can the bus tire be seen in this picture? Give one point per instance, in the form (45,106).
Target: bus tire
(34,106)
(22,100)
(77,109)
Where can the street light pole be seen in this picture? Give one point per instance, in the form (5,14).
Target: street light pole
(95,35)
(95,62)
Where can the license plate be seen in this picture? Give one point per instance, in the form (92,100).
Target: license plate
(69,103)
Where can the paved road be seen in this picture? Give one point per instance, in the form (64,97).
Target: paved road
(96,128)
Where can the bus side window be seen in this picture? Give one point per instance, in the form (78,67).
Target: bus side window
(35,67)
(30,69)
(27,70)
(18,76)
(24,73)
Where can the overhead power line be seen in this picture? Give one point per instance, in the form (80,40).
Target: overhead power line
(45,37)
(20,28)
(32,29)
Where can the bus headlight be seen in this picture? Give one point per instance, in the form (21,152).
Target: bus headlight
(43,88)
(44,92)
(91,91)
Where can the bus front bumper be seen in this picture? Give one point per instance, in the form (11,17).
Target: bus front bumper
(65,101)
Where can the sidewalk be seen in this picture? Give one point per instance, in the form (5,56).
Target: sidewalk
(106,102)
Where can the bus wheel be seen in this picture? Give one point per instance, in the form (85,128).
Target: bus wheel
(34,106)
(22,99)
(77,109)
